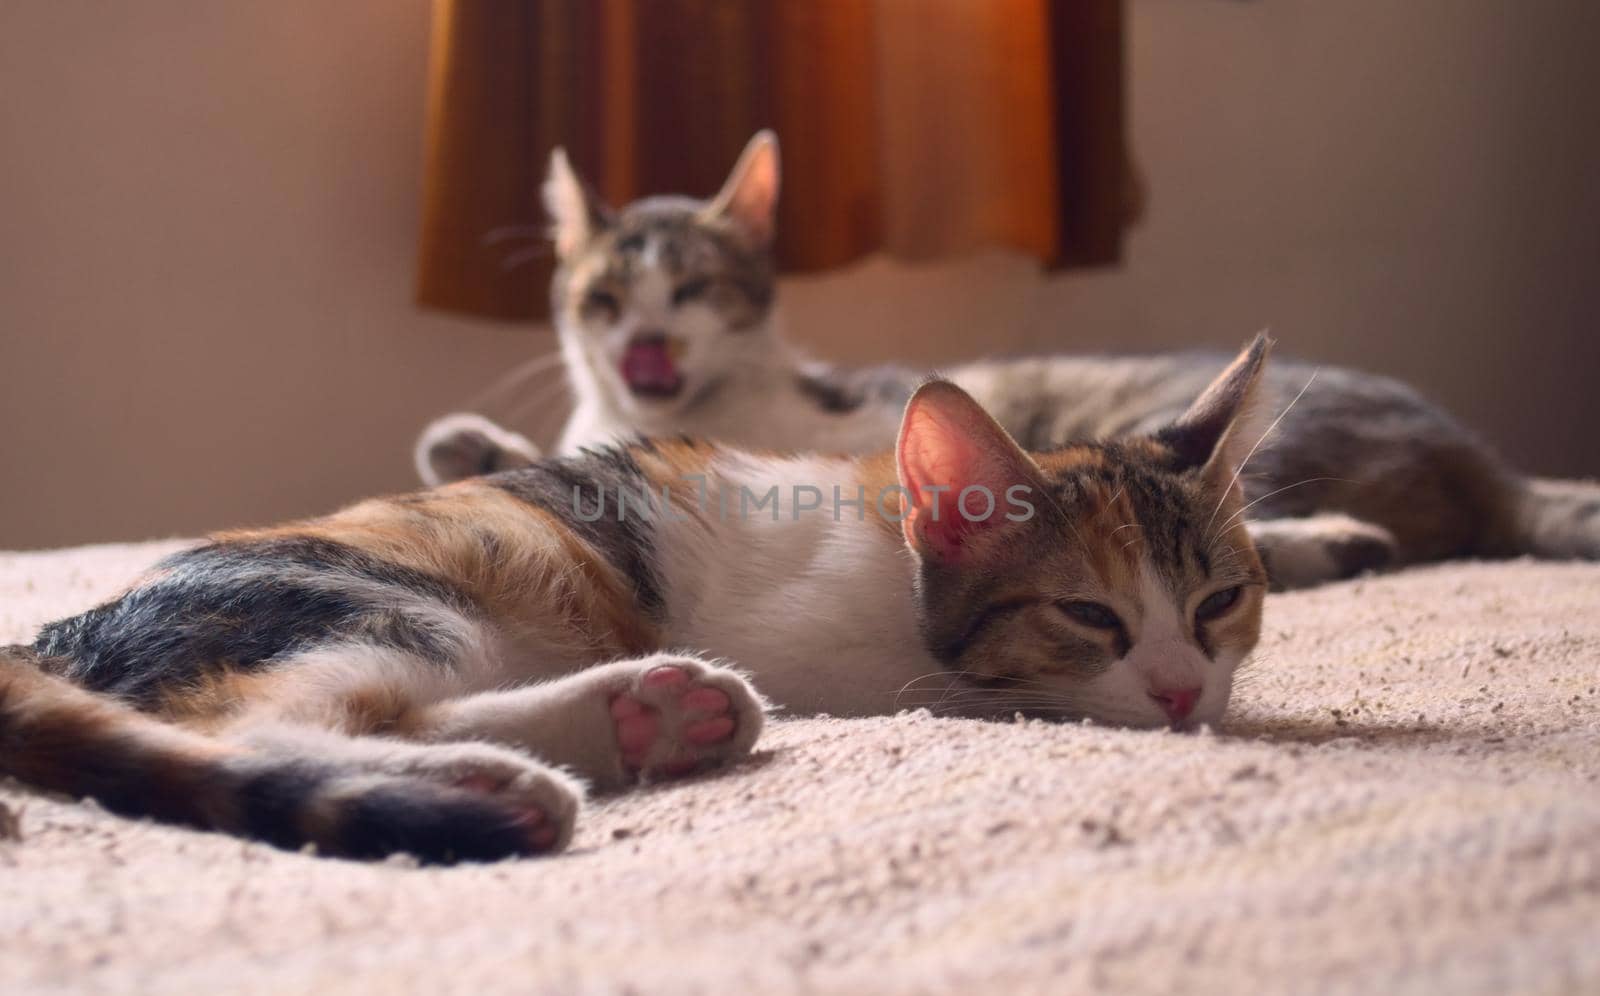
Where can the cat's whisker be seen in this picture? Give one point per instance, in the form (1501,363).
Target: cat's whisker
(1226,555)
(959,692)
(1012,684)
(908,688)
(931,674)
(542,387)
(523,256)
(995,706)
(1245,462)
(997,698)
(1241,512)
(956,688)
(541,402)
(1296,484)
(1110,502)
(1071,524)
(516,377)
(956,694)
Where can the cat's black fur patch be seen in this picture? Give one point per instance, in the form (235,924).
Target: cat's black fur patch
(273,801)
(241,605)
(582,491)
(437,825)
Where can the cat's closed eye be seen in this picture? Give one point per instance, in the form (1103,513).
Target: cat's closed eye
(1216,603)
(690,290)
(1091,614)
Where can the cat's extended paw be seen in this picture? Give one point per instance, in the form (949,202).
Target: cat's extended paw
(460,446)
(537,797)
(1299,553)
(678,715)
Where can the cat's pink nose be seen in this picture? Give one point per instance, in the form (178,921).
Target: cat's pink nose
(1177,703)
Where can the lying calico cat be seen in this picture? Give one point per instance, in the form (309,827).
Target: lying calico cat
(384,678)
(663,312)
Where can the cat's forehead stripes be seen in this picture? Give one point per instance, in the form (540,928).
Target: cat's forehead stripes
(1127,506)
(668,237)
(672,242)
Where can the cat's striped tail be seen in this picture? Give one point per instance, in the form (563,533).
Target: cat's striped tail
(1560,519)
(61,738)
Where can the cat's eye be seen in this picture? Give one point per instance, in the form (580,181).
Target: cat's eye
(689,291)
(1216,603)
(1091,614)
(599,300)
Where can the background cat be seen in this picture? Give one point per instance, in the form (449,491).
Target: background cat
(425,673)
(664,312)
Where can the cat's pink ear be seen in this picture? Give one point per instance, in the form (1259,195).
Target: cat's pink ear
(960,474)
(749,197)
(576,214)
(1219,430)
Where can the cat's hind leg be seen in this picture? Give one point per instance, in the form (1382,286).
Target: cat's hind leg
(344,796)
(615,724)
(1310,550)
(441,802)
(353,705)
(611,724)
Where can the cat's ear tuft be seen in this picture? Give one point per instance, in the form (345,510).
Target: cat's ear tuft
(749,197)
(958,469)
(1219,430)
(576,214)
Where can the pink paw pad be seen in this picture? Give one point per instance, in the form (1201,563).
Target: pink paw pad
(693,717)
(709,731)
(708,701)
(666,676)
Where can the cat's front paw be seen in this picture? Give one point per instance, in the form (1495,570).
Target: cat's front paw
(460,446)
(678,715)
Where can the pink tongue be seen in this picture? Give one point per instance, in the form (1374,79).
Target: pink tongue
(648,367)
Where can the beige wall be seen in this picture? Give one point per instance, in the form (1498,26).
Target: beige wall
(207,217)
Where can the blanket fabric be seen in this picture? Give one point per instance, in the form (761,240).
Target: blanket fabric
(1406,798)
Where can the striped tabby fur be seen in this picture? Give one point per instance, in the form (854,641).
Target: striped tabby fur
(1361,472)
(441,673)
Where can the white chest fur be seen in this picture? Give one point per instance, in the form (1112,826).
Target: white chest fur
(817,609)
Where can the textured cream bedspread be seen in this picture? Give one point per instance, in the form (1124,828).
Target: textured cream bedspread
(1407,798)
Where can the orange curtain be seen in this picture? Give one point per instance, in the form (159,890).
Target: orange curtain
(921,128)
